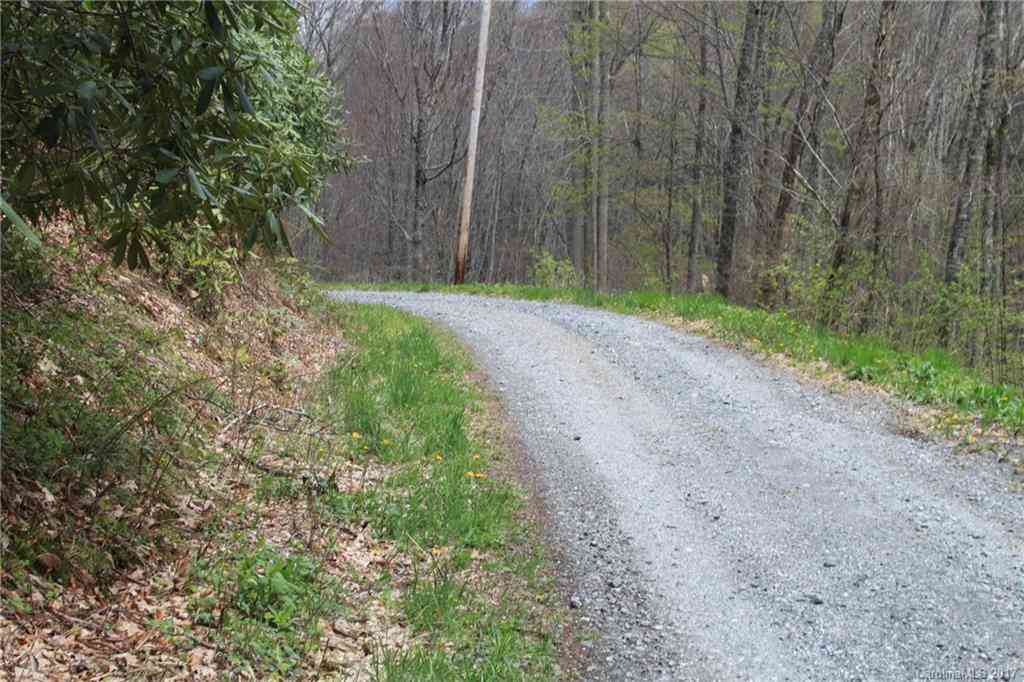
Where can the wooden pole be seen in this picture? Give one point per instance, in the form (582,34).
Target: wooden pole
(474,130)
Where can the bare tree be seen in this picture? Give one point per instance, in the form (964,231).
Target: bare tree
(864,146)
(816,76)
(986,42)
(694,244)
(739,141)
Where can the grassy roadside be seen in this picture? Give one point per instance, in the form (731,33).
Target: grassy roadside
(476,598)
(272,487)
(933,378)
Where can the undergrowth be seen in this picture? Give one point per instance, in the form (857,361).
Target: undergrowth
(265,606)
(933,377)
(246,481)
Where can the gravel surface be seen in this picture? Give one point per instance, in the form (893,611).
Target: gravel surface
(719,519)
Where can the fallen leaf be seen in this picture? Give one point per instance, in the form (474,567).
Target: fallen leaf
(51,561)
(199,657)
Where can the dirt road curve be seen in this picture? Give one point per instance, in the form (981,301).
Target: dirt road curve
(721,520)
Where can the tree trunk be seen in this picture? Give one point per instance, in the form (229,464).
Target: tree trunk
(867,138)
(739,144)
(816,80)
(419,203)
(590,244)
(993,154)
(694,246)
(668,229)
(602,142)
(975,143)
(580,173)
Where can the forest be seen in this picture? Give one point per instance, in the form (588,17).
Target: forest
(857,165)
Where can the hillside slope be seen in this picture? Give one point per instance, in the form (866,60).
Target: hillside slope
(193,487)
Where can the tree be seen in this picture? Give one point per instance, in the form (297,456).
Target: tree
(739,140)
(805,136)
(417,58)
(815,82)
(604,75)
(694,244)
(864,147)
(151,116)
(976,139)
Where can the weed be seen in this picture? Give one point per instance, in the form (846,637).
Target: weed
(263,604)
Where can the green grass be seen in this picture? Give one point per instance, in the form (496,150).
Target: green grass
(402,397)
(931,378)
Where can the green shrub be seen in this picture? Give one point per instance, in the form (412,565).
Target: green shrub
(552,272)
(150,116)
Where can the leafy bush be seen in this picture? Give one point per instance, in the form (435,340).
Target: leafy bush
(153,115)
(198,267)
(552,272)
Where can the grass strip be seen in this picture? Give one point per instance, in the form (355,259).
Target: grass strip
(403,397)
(932,378)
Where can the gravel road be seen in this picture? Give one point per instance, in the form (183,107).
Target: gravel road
(720,519)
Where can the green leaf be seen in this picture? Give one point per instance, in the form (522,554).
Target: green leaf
(169,154)
(87,90)
(225,91)
(166,175)
(211,72)
(213,20)
(243,98)
(275,226)
(197,187)
(205,95)
(27,233)
(280,585)
(313,217)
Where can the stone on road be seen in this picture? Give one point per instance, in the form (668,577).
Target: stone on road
(719,519)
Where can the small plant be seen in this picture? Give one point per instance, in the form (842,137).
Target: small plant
(265,604)
(198,267)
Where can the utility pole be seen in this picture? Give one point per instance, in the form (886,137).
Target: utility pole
(474,130)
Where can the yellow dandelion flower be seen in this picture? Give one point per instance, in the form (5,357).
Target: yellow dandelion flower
(356,435)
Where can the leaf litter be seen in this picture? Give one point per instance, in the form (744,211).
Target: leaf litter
(141,623)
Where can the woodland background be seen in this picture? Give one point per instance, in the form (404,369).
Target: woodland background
(855,164)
